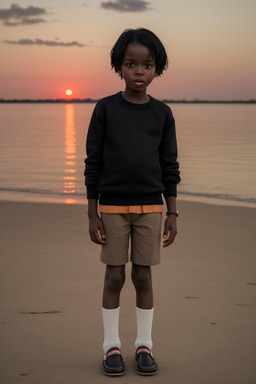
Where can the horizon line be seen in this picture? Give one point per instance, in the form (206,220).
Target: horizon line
(89,100)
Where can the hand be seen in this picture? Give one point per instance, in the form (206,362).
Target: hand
(96,230)
(170,230)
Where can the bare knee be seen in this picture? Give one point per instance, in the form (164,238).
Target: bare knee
(141,277)
(114,278)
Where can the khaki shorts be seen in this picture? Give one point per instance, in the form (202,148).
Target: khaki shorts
(139,233)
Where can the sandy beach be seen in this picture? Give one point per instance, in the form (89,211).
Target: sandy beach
(50,308)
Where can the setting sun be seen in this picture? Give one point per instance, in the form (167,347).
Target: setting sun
(68,92)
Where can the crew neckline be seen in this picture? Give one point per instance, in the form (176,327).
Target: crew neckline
(135,105)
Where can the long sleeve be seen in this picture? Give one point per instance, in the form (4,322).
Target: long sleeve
(94,144)
(168,158)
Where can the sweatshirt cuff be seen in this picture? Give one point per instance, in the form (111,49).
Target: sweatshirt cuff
(170,190)
(92,192)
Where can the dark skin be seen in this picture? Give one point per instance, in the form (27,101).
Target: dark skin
(138,71)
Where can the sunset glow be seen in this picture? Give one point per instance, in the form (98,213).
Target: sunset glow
(70,150)
(63,52)
(68,92)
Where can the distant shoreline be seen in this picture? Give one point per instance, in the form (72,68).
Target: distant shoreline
(66,101)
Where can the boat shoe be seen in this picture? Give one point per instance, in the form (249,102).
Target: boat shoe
(146,364)
(113,364)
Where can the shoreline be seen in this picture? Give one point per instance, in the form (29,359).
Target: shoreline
(57,199)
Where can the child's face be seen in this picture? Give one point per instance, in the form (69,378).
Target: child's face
(138,67)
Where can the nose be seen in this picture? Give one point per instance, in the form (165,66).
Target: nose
(139,70)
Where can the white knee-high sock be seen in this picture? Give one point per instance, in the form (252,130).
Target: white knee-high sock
(111,328)
(144,327)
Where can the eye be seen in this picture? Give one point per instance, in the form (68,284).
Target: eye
(148,66)
(129,65)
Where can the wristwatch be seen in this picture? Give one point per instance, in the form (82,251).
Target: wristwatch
(176,213)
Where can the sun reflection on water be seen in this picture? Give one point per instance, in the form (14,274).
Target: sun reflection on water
(70,154)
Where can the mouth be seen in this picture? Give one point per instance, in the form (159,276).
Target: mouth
(139,82)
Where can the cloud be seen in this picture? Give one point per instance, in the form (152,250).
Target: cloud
(51,43)
(126,5)
(16,15)
(24,21)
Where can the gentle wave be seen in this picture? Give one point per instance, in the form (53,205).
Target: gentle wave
(220,196)
(40,191)
(226,197)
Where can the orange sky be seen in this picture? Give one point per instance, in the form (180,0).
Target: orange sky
(50,46)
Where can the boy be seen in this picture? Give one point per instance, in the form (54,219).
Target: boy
(131,161)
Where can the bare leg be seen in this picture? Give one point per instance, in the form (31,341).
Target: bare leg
(114,281)
(142,280)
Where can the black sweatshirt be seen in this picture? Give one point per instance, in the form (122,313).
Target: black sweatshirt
(131,152)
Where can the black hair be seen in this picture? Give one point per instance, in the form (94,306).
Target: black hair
(142,36)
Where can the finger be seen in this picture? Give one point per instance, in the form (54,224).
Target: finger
(169,239)
(101,237)
(166,236)
(96,238)
(166,233)
(102,231)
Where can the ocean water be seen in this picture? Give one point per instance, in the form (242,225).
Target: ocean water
(42,151)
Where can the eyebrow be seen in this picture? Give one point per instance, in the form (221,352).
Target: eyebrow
(146,61)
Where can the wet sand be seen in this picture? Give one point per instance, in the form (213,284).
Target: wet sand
(50,309)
